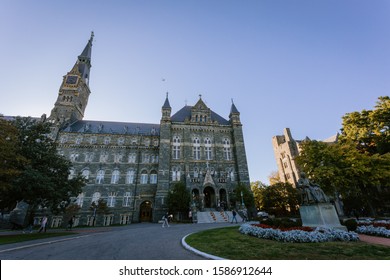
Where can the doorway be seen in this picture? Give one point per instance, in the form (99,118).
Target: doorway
(145,210)
(209,197)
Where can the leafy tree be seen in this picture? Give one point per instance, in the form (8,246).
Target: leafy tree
(358,166)
(278,199)
(369,129)
(179,199)
(44,174)
(10,160)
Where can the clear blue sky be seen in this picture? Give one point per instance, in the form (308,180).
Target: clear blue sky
(300,64)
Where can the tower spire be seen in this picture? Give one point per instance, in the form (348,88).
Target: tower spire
(84,60)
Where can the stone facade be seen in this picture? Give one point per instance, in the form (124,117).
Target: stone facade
(131,166)
(286,149)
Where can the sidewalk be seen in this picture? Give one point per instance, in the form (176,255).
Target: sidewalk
(374,239)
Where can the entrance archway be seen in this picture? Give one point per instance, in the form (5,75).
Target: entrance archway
(145,211)
(209,197)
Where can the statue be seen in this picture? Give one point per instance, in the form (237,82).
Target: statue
(311,193)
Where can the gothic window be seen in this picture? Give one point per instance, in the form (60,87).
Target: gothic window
(115,177)
(89,157)
(103,157)
(153,177)
(145,158)
(131,158)
(176,147)
(85,174)
(111,199)
(74,157)
(155,142)
(196,148)
(227,154)
(134,141)
(95,198)
(80,200)
(232,177)
(144,177)
(147,142)
(100,177)
(285,164)
(196,172)
(107,140)
(176,174)
(207,148)
(93,140)
(63,139)
(126,199)
(121,141)
(79,139)
(130,177)
(118,158)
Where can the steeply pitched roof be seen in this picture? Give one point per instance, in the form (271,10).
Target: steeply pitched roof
(105,127)
(185,113)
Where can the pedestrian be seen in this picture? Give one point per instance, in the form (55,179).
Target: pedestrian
(165,220)
(43,224)
(190,215)
(234,213)
(70,223)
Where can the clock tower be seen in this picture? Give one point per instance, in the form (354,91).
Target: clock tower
(74,91)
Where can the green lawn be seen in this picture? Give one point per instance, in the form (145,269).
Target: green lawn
(228,243)
(14,238)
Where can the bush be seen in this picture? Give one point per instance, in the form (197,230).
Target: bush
(282,222)
(351,224)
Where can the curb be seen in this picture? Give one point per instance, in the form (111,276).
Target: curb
(200,253)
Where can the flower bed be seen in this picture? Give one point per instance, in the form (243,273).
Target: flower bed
(297,235)
(378,228)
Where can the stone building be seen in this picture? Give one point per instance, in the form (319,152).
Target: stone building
(286,149)
(131,166)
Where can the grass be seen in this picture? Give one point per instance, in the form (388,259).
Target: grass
(15,238)
(229,243)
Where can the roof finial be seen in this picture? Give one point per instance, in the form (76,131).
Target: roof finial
(167,94)
(200,96)
(232,101)
(92,35)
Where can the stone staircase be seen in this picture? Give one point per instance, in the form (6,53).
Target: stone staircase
(216,217)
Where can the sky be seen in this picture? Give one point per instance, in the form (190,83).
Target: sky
(301,64)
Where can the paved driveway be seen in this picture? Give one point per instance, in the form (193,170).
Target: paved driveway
(134,242)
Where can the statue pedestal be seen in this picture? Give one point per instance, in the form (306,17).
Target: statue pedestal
(320,215)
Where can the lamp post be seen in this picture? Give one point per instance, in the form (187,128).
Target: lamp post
(242,201)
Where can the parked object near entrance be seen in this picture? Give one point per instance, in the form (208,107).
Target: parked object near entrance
(315,209)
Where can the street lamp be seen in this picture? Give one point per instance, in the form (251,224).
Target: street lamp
(242,201)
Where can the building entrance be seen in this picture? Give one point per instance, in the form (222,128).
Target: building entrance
(145,211)
(209,197)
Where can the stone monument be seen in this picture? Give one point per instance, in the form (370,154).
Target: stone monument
(315,208)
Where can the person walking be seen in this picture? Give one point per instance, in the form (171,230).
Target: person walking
(165,220)
(43,224)
(234,213)
(70,223)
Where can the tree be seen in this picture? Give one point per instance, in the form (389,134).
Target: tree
(10,160)
(44,174)
(358,166)
(369,129)
(278,199)
(179,199)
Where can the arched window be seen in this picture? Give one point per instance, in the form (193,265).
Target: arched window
(115,177)
(85,174)
(130,177)
(227,154)
(207,148)
(196,148)
(144,177)
(153,177)
(107,140)
(95,198)
(176,174)
(80,200)
(100,177)
(176,147)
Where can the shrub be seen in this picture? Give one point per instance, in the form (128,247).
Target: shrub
(351,224)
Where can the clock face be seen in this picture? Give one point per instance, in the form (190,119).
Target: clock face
(71,80)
